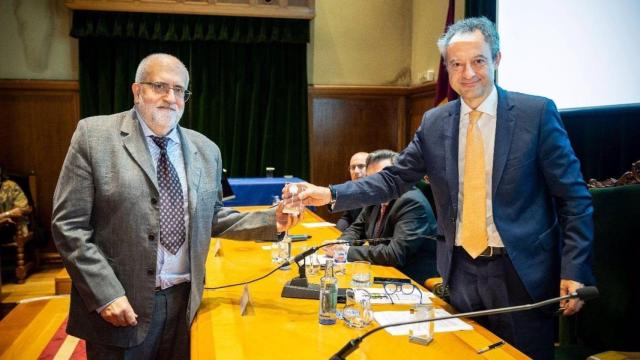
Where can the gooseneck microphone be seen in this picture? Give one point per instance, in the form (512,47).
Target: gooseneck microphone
(584,294)
(299,287)
(290,261)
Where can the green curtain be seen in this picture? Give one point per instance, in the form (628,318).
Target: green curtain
(248,78)
(474,8)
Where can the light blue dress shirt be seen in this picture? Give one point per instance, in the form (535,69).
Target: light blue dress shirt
(171,269)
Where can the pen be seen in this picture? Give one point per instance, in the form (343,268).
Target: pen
(491,347)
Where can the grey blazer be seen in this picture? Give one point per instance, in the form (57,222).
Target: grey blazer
(106,222)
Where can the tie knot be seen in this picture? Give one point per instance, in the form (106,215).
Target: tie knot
(160,141)
(474,115)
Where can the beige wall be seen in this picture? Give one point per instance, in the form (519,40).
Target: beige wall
(428,24)
(35,41)
(361,42)
(353,42)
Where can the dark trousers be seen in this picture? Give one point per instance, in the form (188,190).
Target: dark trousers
(489,283)
(168,336)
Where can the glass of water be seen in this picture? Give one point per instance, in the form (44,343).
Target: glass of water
(292,205)
(312,264)
(357,311)
(361,274)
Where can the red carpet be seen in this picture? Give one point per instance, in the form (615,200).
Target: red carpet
(64,346)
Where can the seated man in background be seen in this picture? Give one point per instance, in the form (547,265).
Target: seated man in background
(357,169)
(405,222)
(14,207)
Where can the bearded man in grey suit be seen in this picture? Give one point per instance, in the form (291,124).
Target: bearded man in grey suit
(136,204)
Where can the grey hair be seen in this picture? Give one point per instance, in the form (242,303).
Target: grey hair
(142,73)
(484,25)
(380,155)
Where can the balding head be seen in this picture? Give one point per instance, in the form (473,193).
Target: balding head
(154,61)
(357,165)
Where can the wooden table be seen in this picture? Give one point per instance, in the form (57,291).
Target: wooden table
(278,327)
(288,328)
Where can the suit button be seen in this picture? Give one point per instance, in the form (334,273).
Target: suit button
(453,220)
(154,200)
(151,237)
(150,272)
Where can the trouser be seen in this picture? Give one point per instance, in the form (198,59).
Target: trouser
(492,282)
(168,336)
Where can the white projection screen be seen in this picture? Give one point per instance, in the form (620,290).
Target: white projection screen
(580,53)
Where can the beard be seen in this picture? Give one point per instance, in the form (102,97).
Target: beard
(166,117)
(160,118)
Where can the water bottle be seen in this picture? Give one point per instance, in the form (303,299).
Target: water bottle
(340,259)
(328,296)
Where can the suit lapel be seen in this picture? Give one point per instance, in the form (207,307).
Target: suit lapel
(451,131)
(193,165)
(505,123)
(133,140)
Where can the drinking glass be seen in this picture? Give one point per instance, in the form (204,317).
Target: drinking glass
(361,277)
(357,311)
(292,205)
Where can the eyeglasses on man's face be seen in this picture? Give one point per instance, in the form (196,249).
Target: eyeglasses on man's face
(391,288)
(357,166)
(161,88)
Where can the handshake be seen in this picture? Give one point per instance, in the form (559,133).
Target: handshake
(295,196)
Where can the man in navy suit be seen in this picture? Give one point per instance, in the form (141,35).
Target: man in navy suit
(531,236)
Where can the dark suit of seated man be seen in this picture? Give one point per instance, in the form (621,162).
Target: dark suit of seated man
(405,222)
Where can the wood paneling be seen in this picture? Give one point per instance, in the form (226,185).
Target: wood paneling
(37,119)
(347,119)
(294,9)
(419,99)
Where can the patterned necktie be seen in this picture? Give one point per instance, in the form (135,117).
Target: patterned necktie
(473,235)
(378,228)
(172,227)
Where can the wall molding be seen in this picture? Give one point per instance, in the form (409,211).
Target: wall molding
(287,9)
(40,85)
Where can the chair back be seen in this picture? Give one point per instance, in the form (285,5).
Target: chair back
(610,322)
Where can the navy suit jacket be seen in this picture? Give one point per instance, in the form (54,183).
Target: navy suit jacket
(541,206)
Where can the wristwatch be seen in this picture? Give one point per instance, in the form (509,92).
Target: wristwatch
(334,195)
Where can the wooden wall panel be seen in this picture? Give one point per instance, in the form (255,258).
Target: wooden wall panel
(347,119)
(420,99)
(37,120)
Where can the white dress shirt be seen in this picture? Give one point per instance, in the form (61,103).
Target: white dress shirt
(487,125)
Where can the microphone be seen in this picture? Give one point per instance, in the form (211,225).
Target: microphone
(376,241)
(584,294)
(299,287)
(290,261)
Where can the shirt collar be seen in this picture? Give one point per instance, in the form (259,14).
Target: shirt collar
(489,106)
(173,135)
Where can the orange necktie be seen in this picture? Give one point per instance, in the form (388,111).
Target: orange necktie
(474,208)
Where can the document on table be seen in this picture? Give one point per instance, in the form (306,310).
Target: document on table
(311,225)
(379,296)
(389,317)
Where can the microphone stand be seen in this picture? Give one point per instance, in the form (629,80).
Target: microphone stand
(584,294)
(299,287)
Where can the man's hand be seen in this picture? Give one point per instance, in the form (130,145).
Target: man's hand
(574,305)
(311,195)
(331,250)
(285,221)
(120,313)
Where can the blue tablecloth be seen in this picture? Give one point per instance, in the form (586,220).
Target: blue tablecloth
(257,191)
